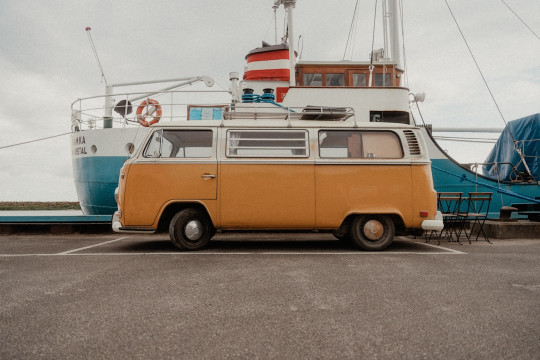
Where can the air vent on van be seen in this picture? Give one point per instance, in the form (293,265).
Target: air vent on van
(414,147)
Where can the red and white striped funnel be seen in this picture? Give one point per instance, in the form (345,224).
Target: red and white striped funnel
(268,63)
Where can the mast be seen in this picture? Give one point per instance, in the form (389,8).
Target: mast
(289,6)
(393,13)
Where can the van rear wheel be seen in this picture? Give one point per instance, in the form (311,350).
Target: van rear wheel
(372,232)
(190,229)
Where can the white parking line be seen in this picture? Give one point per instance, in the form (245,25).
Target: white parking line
(75,252)
(91,246)
(447,249)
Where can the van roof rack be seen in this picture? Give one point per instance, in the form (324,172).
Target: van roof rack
(310,112)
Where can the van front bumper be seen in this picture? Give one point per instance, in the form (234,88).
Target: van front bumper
(117,226)
(434,225)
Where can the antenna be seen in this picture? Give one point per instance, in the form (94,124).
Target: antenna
(88,29)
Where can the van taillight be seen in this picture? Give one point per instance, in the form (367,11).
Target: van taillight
(424,213)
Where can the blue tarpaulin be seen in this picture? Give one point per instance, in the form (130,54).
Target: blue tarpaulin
(527,133)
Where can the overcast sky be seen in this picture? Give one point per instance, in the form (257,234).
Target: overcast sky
(46,63)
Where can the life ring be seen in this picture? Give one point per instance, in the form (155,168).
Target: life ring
(142,118)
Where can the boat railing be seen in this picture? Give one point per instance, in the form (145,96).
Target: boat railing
(516,175)
(88,113)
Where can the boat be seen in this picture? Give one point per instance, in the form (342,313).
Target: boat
(274,84)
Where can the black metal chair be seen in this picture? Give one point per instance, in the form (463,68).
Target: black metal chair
(477,212)
(448,203)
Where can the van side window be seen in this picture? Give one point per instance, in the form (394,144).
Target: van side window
(267,143)
(180,144)
(359,144)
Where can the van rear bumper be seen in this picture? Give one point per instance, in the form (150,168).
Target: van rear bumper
(433,225)
(117,227)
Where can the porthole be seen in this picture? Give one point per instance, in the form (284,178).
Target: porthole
(130,148)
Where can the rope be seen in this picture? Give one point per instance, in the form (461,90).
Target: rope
(264,98)
(31,141)
(520,19)
(499,190)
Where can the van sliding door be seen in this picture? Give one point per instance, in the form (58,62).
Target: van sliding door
(267,180)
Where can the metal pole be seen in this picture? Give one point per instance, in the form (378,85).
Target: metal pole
(289,6)
(109,104)
(394,33)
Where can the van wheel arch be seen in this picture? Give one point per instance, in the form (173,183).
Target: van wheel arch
(172,209)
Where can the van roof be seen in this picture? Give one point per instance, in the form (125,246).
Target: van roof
(282,124)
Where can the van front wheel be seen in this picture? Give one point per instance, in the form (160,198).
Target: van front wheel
(372,232)
(190,229)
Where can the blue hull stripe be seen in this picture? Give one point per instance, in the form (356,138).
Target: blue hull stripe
(96,178)
(448,176)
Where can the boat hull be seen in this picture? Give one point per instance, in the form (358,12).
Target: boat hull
(96,172)
(450,176)
(97,156)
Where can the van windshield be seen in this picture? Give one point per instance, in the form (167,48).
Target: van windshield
(180,144)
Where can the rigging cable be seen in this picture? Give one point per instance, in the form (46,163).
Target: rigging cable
(88,29)
(36,140)
(480,71)
(268,28)
(516,147)
(353,25)
(465,139)
(520,19)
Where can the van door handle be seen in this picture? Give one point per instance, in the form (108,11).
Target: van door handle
(208,176)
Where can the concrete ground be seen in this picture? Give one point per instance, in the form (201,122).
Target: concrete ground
(267,296)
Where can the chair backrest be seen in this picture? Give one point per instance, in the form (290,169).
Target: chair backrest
(449,202)
(478,203)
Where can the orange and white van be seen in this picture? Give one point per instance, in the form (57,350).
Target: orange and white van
(365,183)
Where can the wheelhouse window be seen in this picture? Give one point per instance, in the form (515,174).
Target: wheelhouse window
(335,80)
(180,144)
(267,143)
(359,80)
(338,144)
(381,79)
(399,117)
(312,79)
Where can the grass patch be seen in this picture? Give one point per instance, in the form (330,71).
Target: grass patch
(39,205)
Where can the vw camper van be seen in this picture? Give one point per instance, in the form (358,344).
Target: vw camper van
(364,183)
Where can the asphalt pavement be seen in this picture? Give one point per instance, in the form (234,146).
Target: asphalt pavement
(266,296)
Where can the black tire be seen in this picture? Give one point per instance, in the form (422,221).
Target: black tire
(190,229)
(372,232)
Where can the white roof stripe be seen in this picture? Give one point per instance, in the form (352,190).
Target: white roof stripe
(267,65)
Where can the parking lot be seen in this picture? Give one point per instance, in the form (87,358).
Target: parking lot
(263,295)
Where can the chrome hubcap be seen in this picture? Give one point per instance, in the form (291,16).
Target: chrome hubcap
(373,230)
(194,230)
